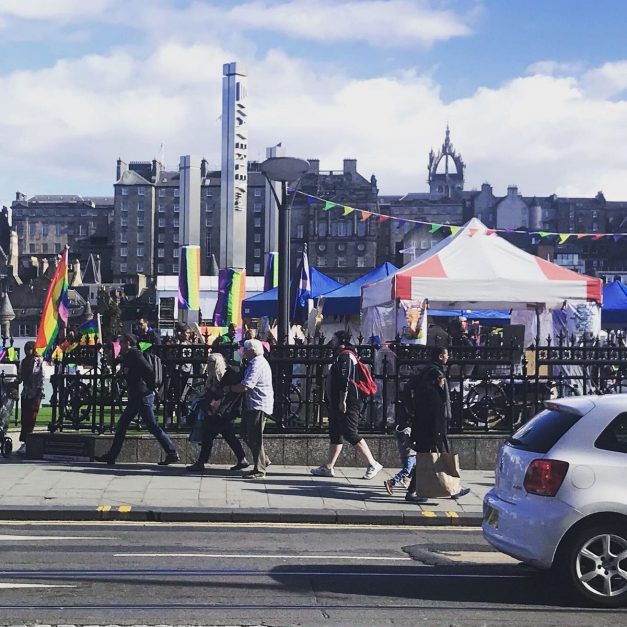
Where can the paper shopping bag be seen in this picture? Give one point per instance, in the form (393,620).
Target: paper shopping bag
(437,474)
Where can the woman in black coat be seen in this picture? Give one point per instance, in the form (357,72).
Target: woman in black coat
(429,426)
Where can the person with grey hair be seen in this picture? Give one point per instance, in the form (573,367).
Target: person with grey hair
(258,404)
(220,410)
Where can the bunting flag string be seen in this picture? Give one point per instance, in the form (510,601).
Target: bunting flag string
(434,227)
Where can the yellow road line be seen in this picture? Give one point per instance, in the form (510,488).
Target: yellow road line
(452,514)
(103,508)
(124,509)
(429,514)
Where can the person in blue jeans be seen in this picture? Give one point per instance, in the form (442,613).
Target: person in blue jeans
(408,459)
(141,401)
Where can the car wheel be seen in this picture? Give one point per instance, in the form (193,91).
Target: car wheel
(594,564)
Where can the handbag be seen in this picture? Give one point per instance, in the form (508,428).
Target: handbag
(437,474)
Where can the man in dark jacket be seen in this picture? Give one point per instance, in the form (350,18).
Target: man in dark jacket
(343,403)
(141,397)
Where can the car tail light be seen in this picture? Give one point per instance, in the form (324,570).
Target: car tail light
(545,476)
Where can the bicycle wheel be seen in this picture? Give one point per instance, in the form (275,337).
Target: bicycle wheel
(485,407)
(77,403)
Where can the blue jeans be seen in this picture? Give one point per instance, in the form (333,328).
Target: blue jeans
(145,407)
(409,464)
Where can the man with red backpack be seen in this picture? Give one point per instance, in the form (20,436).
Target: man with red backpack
(347,379)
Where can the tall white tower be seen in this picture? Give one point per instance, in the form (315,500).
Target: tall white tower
(189,193)
(234,177)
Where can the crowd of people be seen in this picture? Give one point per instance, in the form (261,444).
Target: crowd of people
(245,389)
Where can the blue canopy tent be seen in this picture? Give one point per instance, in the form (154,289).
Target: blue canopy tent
(346,300)
(614,310)
(266,303)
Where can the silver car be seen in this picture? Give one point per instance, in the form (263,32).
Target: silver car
(560,496)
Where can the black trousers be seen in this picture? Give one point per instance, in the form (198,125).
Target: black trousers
(219,425)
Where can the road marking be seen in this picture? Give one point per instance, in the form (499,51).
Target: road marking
(479,557)
(240,525)
(429,514)
(452,514)
(124,509)
(15,538)
(8,586)
(267,556)
(103,508)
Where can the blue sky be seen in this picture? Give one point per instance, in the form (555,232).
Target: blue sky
(534,91)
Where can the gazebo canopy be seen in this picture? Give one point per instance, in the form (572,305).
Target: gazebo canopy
(614,303)
(475,268)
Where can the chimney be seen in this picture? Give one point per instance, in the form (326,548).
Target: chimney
(350,166)
(43,266)
(19,197)
(204,168)
(121,168)
(512,191)
(314,166)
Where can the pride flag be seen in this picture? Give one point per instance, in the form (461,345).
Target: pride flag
(271,274)
(55,308)
(231,293)
(189,278)
(88,329)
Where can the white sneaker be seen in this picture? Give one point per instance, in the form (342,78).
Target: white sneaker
(372,471)
(323,471)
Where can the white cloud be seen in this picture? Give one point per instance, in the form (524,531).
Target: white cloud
(61,10)
(607,81)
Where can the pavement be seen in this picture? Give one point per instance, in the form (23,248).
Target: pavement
(45,490)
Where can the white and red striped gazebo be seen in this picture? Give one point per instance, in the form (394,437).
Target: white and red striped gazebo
(477,269)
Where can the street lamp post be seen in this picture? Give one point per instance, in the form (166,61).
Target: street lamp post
(284,170)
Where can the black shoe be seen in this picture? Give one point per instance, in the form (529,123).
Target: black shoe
(197,467)
(462,492)
(240,465)
(415,498)
(105,459)
(169,459)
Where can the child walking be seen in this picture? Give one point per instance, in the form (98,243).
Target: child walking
(408,459)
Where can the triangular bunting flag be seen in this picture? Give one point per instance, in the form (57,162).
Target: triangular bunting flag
(598,236)
(490,231)
(454,229)
(564,237)
(617,237)
(328,205)
(311,200)
(348,210)
(580,235)
(435,227)
(383,218)
(472,232)
(543,234)
(144,346)
(365,215)
(400,223)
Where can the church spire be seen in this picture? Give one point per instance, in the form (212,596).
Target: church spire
(446,170)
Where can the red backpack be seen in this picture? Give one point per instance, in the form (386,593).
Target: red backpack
(364,381)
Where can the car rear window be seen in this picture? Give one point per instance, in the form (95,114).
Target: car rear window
(541,433)
(614,437)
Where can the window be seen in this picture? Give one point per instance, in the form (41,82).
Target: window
(44,248)
(209,221)
(341,262)
(322,261)
(32,229)
(322,229)
(361,262)
(175,222)
(175,268)
(140,267)
(162,193)
(541,433)
(140,237)
(34,248)
(176,207)
(123,237)
(161,208)
(124,205)
(257,223)
(361,229)
(258,192)
(123,251)
(140,251)
(208,193)
(614,436)
(175,237)
(44,230)
(257,238)
(177,192)
(161,222)
(140,220)
(57,247)
(160,268)
(124,191)
(161,238)
(300,231)
(257,268)
(26,329)
(160,253)
(175,252)
(123,267)
(123,221)
(141,191)
(257,253)
(257,207)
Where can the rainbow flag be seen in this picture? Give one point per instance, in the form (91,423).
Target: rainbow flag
(55,308)
(231,293)
(189,278)
(271,274)
(88,329)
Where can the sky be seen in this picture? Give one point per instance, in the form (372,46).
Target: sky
(534,91)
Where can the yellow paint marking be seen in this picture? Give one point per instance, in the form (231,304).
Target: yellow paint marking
(452,514)
(103,508)
(124,508)
(429,514)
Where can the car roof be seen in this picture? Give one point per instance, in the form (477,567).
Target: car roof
(583,404)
